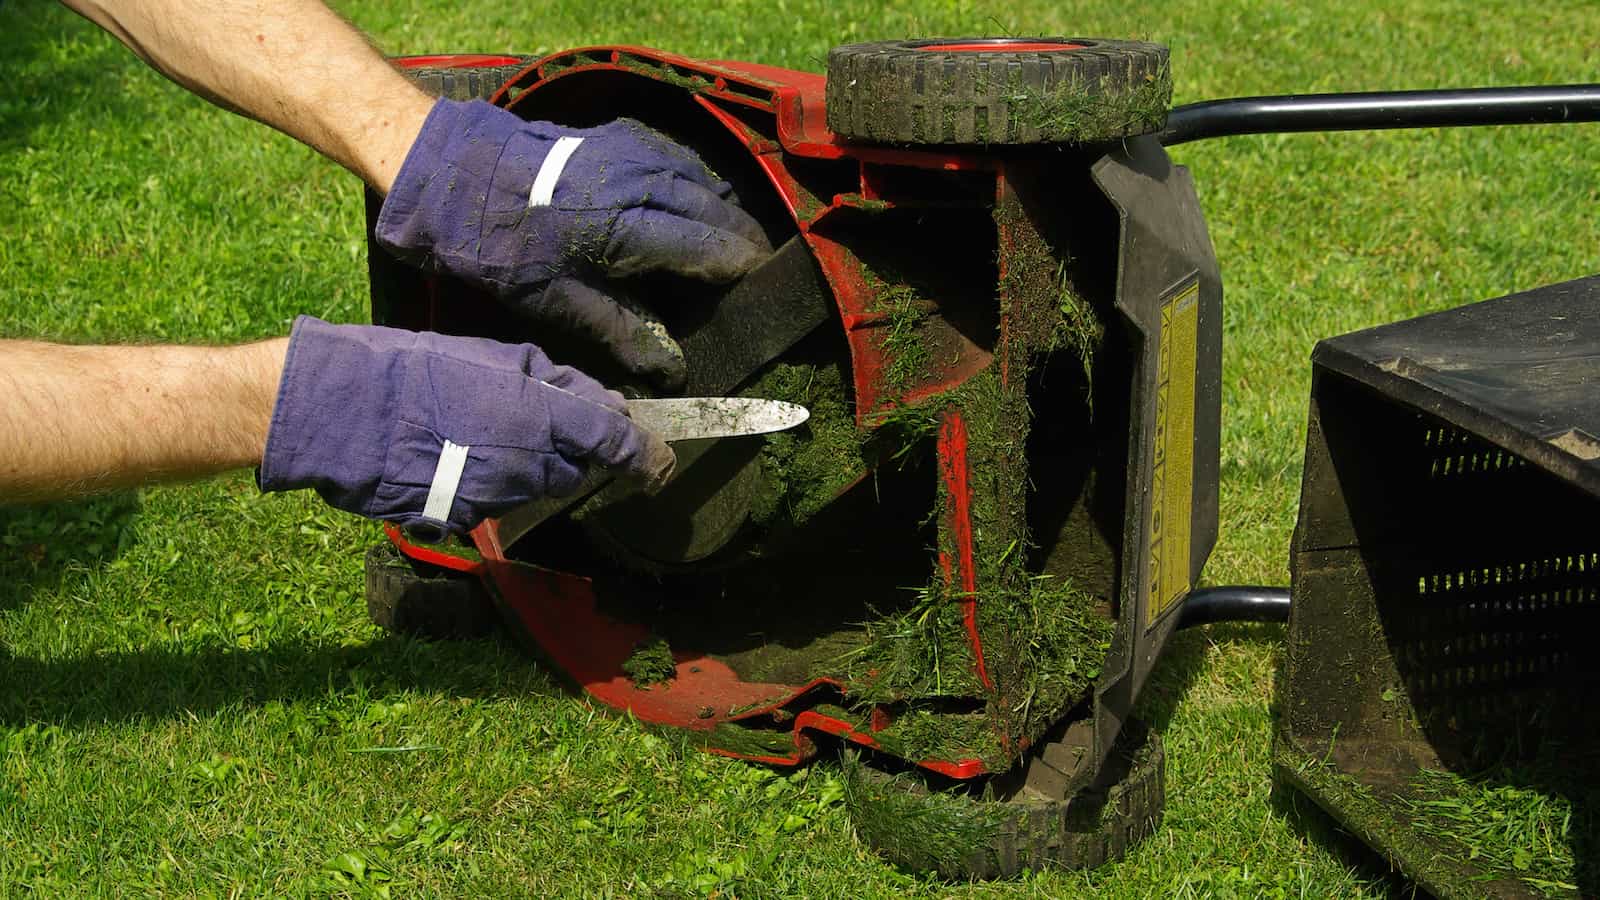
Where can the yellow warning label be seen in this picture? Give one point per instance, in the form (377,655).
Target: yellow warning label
(1172,475)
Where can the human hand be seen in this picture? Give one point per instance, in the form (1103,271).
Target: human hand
(440,431)
(541,214)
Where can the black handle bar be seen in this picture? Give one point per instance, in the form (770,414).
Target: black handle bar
(1388,109)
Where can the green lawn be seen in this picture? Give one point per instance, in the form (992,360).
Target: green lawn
(195,701)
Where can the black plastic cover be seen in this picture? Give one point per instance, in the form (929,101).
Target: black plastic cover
(1521,371)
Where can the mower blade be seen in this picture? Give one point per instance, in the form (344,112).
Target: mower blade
(759,318)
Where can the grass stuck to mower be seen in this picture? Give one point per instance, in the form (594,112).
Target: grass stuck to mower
(928,569)
(1007,825)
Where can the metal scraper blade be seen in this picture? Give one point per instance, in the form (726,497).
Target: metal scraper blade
(674,419)
(693,418)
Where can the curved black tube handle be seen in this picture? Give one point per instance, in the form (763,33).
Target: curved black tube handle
(1381,110)
(1235,603)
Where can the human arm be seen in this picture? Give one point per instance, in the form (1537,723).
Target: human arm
(542,215)
(77,420)
(292,64)
(365,415)
(439,431)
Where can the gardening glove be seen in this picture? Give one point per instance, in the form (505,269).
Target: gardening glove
(541,214)
(436,432)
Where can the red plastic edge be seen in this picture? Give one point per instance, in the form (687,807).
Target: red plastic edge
(424,553)
(952,448)
(798,99)
(560,613)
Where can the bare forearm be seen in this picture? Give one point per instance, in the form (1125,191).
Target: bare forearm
(292,64)
(76,420)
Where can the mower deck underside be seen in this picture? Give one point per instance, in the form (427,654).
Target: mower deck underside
(949,560)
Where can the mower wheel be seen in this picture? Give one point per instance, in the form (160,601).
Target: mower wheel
(476,82)
(944,91)
(952,832)
(408,597)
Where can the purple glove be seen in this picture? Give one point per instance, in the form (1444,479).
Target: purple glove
(541,214)
(438,431)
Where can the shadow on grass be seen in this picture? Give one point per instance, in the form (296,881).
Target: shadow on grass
(1181,664)
(1315,825)
(39,544)
(162,683)
(1312,823)
(1184,658)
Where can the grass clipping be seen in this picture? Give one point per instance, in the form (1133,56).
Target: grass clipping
(1507,830)
(1061,640)
(651,664)
(1044,640)
(913,827)
(805,468)
(1083,114)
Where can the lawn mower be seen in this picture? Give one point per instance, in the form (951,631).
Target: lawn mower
(996,296)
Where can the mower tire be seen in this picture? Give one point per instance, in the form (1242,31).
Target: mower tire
(408,597)
(988,91)
(957,835)
(460,82)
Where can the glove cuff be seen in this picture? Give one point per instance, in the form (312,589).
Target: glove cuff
(330,373)
(408,224)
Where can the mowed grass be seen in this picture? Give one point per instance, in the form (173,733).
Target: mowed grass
(195,702)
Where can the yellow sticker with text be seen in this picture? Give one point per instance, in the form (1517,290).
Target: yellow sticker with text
(1172,474)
